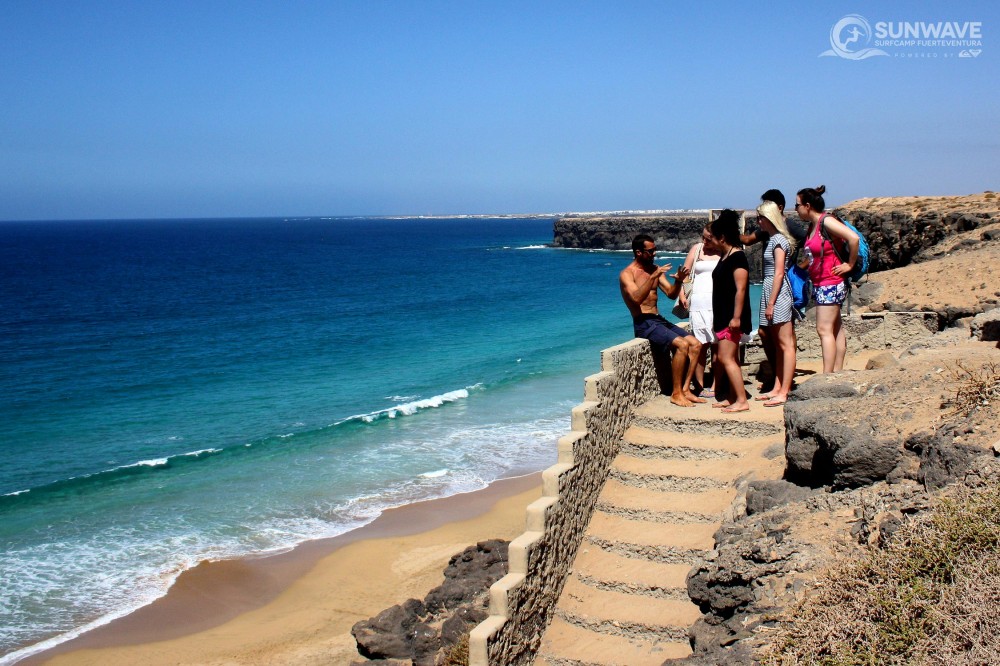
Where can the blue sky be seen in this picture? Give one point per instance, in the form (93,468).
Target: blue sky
(205,109)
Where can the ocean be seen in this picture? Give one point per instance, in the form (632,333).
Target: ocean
(186,390)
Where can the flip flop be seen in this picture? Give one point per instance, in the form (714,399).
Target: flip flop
(730,410)
(773,403)
(707,394)
(764,397)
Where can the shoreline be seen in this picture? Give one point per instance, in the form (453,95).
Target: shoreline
(220,608)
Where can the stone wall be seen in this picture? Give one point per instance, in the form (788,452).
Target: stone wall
(865,331)
(870,330)
(521,603)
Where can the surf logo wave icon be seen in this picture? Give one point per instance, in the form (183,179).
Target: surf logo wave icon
(850,37)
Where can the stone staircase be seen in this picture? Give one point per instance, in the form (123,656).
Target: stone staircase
(677,475)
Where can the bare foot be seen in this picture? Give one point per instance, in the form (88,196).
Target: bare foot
(693,398)
(721,405)
(681,401)
(765,396)
(744,407)
(775,402)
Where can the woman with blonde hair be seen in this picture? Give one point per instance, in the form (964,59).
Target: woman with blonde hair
(776,307)
(827,272)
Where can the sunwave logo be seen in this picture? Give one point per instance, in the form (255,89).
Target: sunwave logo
(853,38)
(850,38)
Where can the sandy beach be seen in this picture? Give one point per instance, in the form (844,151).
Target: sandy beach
(299,607)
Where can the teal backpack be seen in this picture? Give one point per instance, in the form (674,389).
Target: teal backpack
(863,263)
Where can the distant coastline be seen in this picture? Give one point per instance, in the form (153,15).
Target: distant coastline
(665,212)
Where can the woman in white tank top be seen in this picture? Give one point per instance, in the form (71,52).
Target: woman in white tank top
(701,262)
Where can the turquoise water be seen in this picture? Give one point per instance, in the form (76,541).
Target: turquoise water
(178,391)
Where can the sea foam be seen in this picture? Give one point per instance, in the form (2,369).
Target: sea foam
(435,474)
(406,409)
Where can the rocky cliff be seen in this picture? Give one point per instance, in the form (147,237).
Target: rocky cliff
(905,230)
(899,230)
(672,233)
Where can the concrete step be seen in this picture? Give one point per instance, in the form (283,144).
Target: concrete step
(663,554)
(676,518)
(660,414)
(619,613)
(596,567)
(669,483)
(611,528)
(689,446)
(718,470)
(710,503)
(648,443)
(566,644)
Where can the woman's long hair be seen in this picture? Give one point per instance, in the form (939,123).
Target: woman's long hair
(770,210)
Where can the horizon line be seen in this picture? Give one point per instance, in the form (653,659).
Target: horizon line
(292,218)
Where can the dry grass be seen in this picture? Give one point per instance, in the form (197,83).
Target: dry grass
(458,655)
(974,388)
(930,597)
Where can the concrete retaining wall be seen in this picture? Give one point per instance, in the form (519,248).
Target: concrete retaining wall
(865,331)
(521,603)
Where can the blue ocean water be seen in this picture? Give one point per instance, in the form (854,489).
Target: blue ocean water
(183,390)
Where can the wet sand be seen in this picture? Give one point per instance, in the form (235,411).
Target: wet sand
(298,607)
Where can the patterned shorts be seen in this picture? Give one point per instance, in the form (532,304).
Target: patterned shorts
(833,294)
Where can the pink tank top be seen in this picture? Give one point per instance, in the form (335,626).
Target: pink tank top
(824,258)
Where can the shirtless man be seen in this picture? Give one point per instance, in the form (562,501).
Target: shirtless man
(638,283)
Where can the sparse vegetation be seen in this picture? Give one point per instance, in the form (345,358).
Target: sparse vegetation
(458,655)
(929,597)
(975,388)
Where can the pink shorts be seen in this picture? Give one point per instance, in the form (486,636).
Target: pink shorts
(729,334)
(736,335)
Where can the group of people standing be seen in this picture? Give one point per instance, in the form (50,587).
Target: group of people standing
(719,300)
